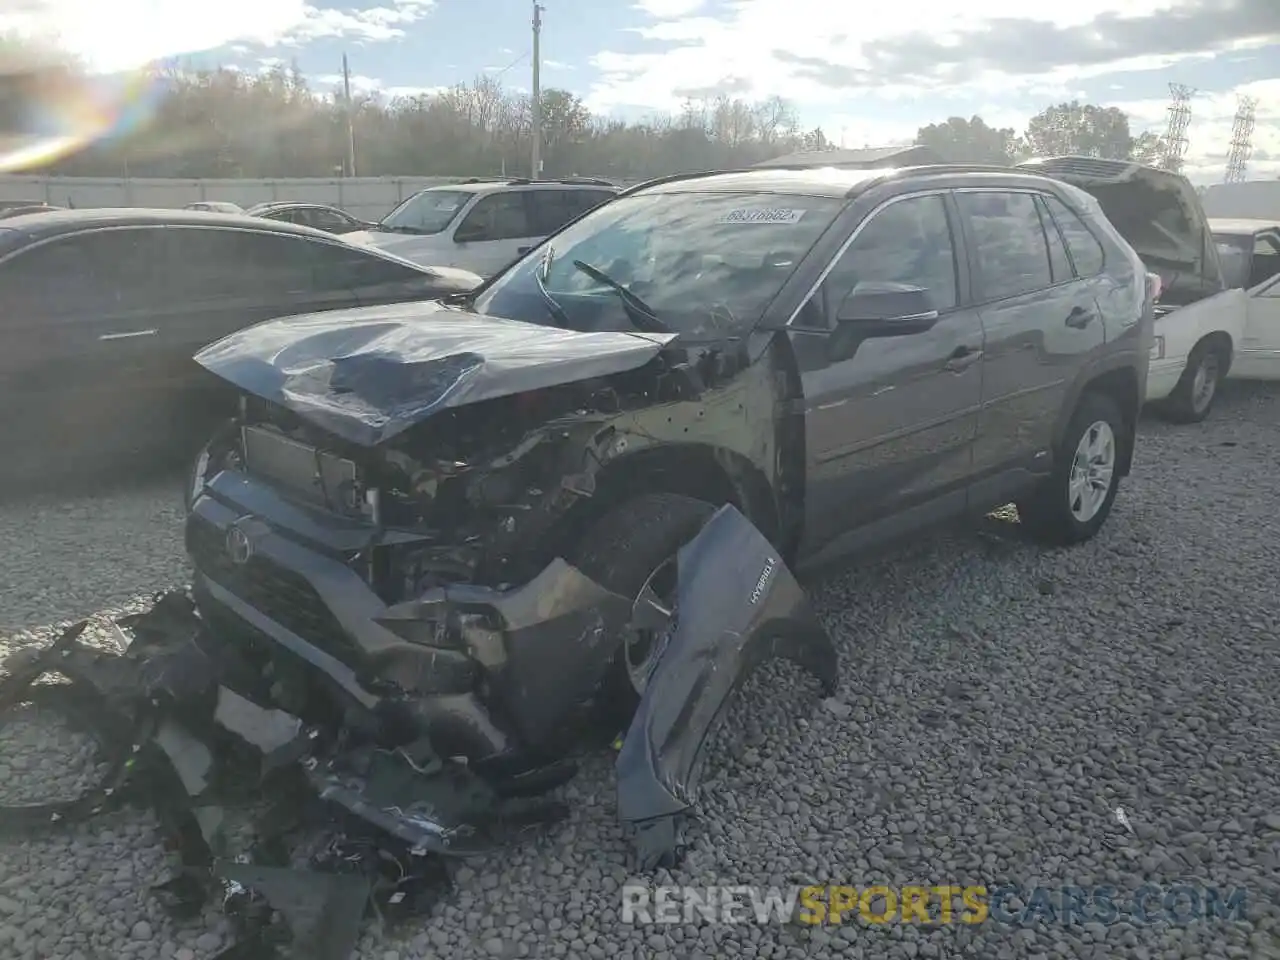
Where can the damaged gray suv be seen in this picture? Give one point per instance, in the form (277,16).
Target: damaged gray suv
(573,496)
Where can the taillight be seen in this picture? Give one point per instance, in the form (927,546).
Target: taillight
(1155,287)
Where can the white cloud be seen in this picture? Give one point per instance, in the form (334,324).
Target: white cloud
(557,65)
(670,8)
(878,74)
(332,82)
(742,43)
(129,33)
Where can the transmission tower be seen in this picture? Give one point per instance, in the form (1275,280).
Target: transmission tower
(1241,140)
(1175,134)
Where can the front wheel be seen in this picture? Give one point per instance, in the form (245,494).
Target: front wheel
(1197,388)
(632,551)
(1073,503)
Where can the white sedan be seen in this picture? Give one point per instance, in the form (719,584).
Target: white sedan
(1234,333)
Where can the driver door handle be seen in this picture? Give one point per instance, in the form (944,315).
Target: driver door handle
(962,358)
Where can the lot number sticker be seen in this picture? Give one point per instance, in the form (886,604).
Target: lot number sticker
(762,215)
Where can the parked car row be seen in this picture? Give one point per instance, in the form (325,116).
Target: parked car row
(479,224)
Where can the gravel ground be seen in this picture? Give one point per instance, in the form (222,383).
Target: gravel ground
(999,703)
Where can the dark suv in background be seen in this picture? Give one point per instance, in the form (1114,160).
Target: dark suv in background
(844,356)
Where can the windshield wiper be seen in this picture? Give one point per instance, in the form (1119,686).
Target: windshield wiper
(385,228)
(540,278)
(638,312)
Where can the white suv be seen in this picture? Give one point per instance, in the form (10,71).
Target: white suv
(482,225)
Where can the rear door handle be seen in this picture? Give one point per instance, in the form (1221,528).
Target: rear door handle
(963,358)
(1079,318)
(128,335)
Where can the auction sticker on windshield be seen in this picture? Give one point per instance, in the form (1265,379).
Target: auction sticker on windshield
(762,215)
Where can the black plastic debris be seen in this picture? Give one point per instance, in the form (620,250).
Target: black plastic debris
(319,914)
(202,729)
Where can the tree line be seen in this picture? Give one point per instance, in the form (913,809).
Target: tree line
(226,123)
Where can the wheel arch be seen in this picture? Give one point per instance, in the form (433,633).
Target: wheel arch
(704,472)
(1222,342)
(1119,382)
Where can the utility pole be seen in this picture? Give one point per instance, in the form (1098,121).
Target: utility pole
(536,163)
(351,124)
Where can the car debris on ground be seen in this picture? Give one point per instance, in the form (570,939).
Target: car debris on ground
(187,728)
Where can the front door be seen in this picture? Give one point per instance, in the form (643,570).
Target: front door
(889,431)
(494,232)
(1259,355)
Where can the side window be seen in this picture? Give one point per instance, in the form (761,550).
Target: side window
(552,209)
(909,241)
(100,271)
(580,201)
(234,264)
(1266,259)
(339,266)
(1013,256)
(327,220)
(499,216)
(1086,251)
(1059,262)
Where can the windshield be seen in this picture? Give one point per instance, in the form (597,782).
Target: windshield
(427,212)
(705,264)
(1236,255)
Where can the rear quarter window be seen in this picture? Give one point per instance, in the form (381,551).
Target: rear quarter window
(1086,250)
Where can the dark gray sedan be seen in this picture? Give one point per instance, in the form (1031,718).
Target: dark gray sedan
(102,310)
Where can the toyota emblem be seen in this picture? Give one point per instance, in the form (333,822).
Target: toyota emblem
(239,546)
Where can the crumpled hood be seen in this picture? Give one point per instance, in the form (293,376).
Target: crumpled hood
(1156,211)
(368,374)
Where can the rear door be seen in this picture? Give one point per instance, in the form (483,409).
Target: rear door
(494,231)
(1041,322)
(81,318)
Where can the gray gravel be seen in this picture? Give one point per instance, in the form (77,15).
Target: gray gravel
(999,703)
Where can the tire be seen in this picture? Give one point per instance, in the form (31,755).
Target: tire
(1050,513)
(621,551)
(1193,397)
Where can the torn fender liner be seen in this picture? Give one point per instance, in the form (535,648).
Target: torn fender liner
(737,605)
(367,374)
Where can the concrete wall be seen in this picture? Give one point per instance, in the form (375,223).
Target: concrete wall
(366,197)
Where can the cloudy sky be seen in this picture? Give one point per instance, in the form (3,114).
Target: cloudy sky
(867,73)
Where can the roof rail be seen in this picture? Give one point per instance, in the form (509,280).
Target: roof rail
(892,173)
(677,177)
(588,181)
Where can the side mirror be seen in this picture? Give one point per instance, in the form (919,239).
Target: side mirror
(880,310)
(468,233)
